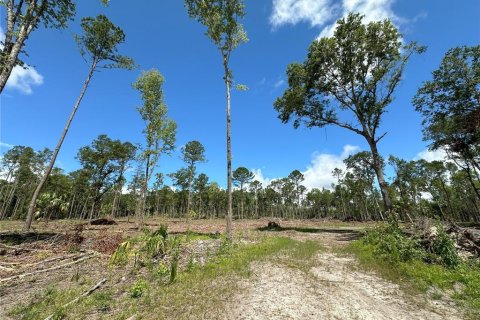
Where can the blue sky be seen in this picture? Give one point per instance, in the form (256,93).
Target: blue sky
(159,34)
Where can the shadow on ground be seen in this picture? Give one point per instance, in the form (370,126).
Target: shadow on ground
(343,234)
(15,238)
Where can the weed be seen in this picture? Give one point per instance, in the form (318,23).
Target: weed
(420,276)
(137,290)
(161,231)
(174,266)
(120,255)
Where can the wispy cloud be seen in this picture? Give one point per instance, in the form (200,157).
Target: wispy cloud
(279,83)
(5,145)
(323,14)
(24,78)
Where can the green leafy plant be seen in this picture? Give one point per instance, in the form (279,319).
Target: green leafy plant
(392,245)
(120,256)
(137,290)
(443,251)
(161,231)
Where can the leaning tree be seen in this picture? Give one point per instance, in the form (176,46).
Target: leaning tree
(22,18)
(221,19)
(98,47)
(351,75)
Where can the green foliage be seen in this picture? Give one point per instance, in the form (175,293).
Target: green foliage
(221,19)
(99,43)
(242,176)
(154,246)
(392,245)
(443,250)
(25,16)
(450,104)
(174,266)
(357,69)
(161,231)
(159,130)
(161,271)
(421,276)
(121,254)
(137,290)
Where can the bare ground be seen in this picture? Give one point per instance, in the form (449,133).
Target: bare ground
(332,287)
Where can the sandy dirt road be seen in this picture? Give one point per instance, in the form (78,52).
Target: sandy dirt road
(334,288)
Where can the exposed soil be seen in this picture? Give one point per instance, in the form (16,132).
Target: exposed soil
(333,288)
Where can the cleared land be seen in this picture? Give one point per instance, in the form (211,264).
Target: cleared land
(297,272)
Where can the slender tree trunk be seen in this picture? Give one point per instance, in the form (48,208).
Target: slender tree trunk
(10,197)
(229,153)
(72,206)
(472,183)
(31,207)
(377,166)
(143,197)
(10,52)
(114,204)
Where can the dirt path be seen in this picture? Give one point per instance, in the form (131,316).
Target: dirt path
(332,289)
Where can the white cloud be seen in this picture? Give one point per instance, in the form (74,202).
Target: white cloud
(258,175)
(325,13)
(22,79)
(315,12)
(427,155)
(319,172)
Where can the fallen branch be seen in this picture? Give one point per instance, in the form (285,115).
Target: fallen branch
(21,248)
(64,257)
(23,275)
(6,268)
(86,293)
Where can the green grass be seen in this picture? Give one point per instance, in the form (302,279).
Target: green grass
(418,276)
(203,289)
(196,291)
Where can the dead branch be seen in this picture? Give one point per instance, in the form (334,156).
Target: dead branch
(86,293)
(20,248)
(64,257)
(23,275)
(6,268)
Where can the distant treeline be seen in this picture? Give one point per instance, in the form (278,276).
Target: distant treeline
(419,188)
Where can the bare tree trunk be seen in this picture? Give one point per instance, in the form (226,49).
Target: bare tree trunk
(10,51)
(229,152)
(378,167)
(10,197)
(114,204)
(31,207)
(143,197)
(72,206)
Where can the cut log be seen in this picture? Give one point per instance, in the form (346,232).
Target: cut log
(23,275)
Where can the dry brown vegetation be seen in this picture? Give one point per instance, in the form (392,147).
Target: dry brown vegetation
(45,272)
